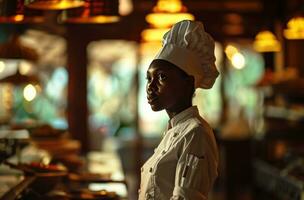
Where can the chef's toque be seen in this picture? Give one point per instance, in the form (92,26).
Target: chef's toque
(190,48)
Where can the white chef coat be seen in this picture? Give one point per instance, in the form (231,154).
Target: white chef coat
(185,163)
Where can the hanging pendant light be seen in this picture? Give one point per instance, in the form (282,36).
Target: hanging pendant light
(165,14)
(295,29)
(54,4)
(266,41)
(94,11)
(14,12)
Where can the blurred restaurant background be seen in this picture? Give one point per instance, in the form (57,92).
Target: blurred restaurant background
(74,119)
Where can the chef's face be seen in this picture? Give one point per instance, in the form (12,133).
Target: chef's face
(166,86)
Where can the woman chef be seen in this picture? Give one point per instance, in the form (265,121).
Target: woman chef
(184,165)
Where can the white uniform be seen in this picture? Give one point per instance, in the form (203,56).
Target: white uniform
(184,165)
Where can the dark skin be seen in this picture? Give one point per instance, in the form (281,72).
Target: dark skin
(168,87)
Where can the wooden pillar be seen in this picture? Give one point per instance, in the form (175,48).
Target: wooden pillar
(294,58)
(77,85)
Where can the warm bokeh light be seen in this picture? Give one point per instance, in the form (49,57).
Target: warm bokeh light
(29,92)
(2,66)
(150,35)
(99,19)
(165,14)
(55,4)
(19,18)
(168,12)
(149,48)
(24,67)
(230,50)
(238,61)
(266,41)
(119,188)
(172,6)
(295,29)
(160,20)
(125,7)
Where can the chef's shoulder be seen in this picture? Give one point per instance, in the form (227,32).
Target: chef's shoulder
(195,126)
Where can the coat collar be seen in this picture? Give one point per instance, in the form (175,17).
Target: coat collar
(183,116)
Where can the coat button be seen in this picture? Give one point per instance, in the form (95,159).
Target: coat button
(175,134)
(138,191)
(163,152)
(150,170)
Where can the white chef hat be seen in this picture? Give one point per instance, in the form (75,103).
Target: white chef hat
(190,48)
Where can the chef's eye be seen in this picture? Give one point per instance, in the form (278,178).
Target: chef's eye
(148,78)
(162,77)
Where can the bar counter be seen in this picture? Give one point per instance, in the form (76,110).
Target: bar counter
(100,177)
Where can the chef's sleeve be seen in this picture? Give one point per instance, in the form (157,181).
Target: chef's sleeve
(197,165)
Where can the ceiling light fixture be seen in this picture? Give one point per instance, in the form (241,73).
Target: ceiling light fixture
(168,12)
(295,29)
(164,15)
(266,41)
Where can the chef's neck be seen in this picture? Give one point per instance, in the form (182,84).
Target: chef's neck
(173,112)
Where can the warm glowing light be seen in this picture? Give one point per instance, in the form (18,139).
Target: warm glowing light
(238,61)
(265,41)
(25,67)
(2,66)
(55,4)
(230,50)
(172,6)
(19,18)
(125,7)
(118,188)
(165,14)
(99,19)
(160,20)
(150,48)
(168,12)
(29,92)
(295,29)
(150,35)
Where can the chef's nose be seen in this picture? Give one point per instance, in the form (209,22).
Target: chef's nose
(151,87)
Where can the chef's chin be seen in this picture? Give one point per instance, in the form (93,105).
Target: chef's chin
(156,107)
